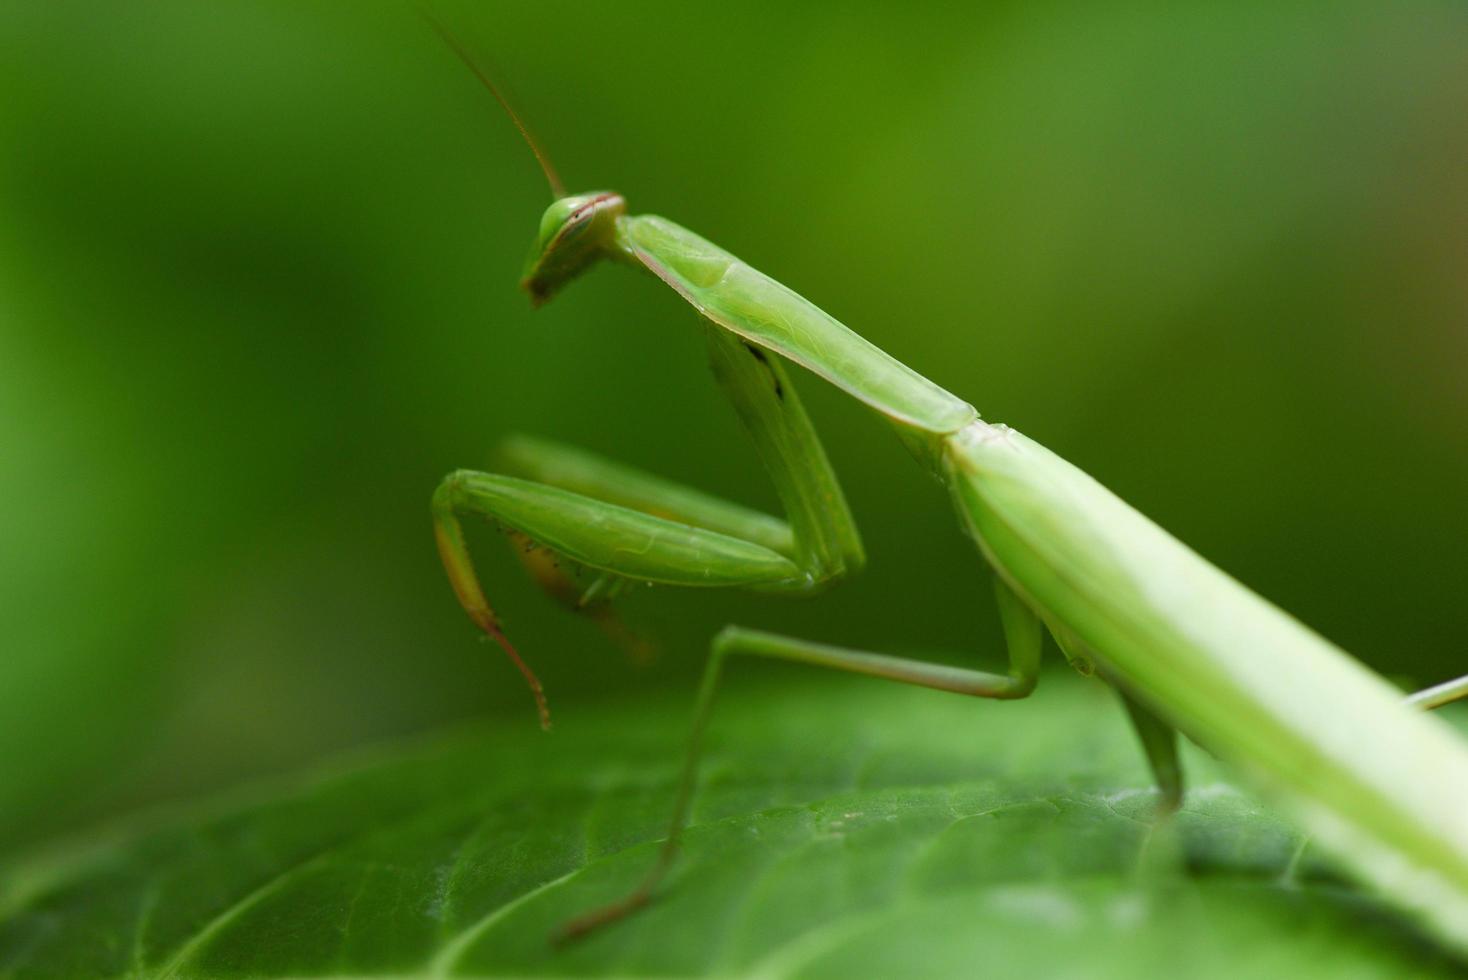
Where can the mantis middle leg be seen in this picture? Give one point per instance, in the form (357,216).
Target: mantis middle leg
(1023,634)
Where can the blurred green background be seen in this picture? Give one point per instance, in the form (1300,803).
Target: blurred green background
(257,294)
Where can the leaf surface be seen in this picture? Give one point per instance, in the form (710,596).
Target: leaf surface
(842,828)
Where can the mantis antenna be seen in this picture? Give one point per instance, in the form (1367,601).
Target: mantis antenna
(558,189)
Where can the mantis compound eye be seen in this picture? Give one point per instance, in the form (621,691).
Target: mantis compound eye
(575,225)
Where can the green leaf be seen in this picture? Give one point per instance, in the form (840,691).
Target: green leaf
(844,828)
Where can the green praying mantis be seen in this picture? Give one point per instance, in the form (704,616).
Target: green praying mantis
(1381,785)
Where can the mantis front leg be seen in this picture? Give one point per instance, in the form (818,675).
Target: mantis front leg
(630,525)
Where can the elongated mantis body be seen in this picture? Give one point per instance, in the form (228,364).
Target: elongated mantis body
(1381,786)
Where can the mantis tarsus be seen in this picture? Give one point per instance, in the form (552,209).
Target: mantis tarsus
(1381,786)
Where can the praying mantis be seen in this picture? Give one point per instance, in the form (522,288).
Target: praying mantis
(1381,785)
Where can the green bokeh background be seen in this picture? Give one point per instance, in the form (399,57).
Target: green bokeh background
(257,294)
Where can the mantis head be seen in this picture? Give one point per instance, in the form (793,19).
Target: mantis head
(574,232)
(576,229)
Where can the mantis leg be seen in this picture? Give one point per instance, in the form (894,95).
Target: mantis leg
(1440,694)
(1158,738)
(1159,744)
(579,471)
(642,528)
(603,479)
(592,533)
(1023,637)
